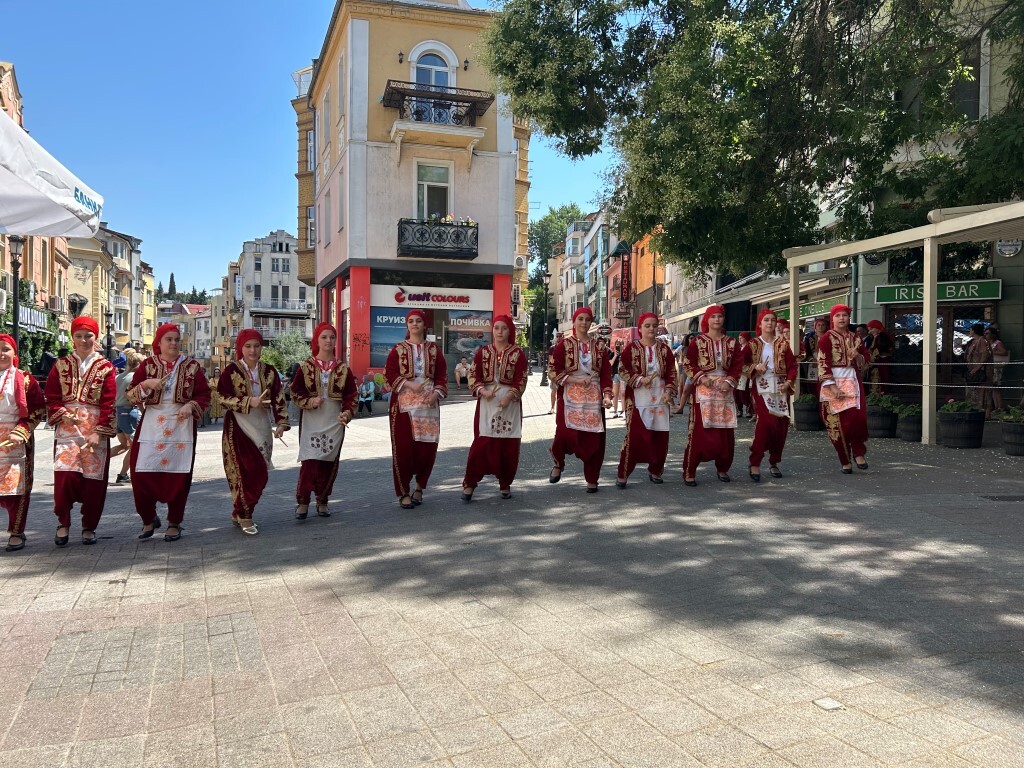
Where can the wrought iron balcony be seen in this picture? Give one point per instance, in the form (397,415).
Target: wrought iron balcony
(436,104)
(431,239)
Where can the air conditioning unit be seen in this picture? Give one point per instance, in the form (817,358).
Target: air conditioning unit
(309,306)
(515,290)
(248,289)
(520,262)
(3,300)
(56,303)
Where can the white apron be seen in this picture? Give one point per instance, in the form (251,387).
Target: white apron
(717,407)
(165,437)
(649,400)
(424,417)
(321,435)
(12,458)
(496,421)
(581,402)
(769,384)
(847,388)
(257,425)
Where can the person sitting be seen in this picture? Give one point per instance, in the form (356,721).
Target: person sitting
(462,374)
(367,391)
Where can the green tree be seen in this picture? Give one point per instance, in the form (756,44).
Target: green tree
(285,351)
(545,232)
(160,291)
(172,291)
(736,122)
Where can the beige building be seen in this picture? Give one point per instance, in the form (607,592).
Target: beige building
(418,172)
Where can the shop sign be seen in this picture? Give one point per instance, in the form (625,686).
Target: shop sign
(815,308)
(31,319)
(426,297)
(958,290)
(626,281)
(1008,248)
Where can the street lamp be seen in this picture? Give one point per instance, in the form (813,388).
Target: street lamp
(110,334)
(17,248)
(544,332)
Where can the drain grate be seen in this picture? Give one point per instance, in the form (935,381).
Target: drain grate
(1004,497)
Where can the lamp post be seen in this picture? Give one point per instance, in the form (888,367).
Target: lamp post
(544,332)
(110,334)
(17,248)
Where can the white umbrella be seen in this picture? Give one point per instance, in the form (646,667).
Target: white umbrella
(38,195)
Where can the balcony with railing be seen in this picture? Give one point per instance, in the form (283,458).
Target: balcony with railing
(121,302)
(432,239)
(270,332)
(279,305)
(435,114)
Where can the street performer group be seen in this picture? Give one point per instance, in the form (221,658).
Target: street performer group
(173,394)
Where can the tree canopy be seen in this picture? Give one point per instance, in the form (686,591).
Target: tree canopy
(737,123)
(545,232)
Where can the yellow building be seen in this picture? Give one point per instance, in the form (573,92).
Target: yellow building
(417,174)
(148,305)
(89,279)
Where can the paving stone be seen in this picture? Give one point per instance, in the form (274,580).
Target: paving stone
(125,752)
(993,751)
(562,746)
(827,750)
(939,727)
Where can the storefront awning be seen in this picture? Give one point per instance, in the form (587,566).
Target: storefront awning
(38,195)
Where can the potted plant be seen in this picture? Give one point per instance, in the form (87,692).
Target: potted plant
(883,415)
(962,425)
(806,417)
(909,425)
(1013,430)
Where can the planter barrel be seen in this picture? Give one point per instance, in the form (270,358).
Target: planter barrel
(881,422)
(806,417)
(962,429)
(1013,438)
(909,428)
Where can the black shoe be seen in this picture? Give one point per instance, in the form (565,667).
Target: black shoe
(847,470)
(175,537)
(416,502)
(468,496)
(776,472)
(301,515)
(655,480)
(860,466)
(322,511)
(552,477)
(15,547)
(724,478)
(149,534)
(756,478)
(61,541)
(592,489)
(507,493)
(121,479)
(90,541)
(690,483)
(405,505)
(620,484)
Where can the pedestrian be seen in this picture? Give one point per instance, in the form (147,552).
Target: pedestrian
(80,396)
(618,401)
(841,357)
(649,369)
(497,379)
(417,375)
(1000,359)
(979,359)
(714,364)
(22,407)
(742,393)
(216,411)
(462,374)
(770,364)
(880,352)
(810,355)
(128,414)
(367,391)
(582,374)
(324,390)
(173,392)
(255,414)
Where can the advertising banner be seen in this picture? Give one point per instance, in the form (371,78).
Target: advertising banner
(423,297)
(467,331)
(387,328)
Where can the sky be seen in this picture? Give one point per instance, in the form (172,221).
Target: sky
(180,115)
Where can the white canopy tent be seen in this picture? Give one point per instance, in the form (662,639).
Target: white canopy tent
(976,223)
(38,195)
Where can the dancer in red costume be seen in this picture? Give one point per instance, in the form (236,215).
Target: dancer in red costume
(841,356)
(714,365)
(882,347)
(649,370)
(255,414)
(80,396)
(497,379)
(417,375)
(742,392)
(325,391)
(22,407)
(173,391)
(771,367)
(579,369)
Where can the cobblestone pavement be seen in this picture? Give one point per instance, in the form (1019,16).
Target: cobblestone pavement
(656,626)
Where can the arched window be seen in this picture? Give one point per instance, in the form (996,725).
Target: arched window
(431,69)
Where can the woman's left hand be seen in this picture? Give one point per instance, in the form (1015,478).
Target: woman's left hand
(607,402)
(432,397)
(505,401)
(92,439)
(344,417)
(15,439)
(281,429)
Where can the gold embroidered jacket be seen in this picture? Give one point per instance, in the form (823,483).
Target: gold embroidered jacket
(234,390)
(341,385)
(400,367)
(508,367)
(633,363)
(782,355)
(35,401)
(837,350)
(66,386)
(565,361)
(191,385)
(700,358)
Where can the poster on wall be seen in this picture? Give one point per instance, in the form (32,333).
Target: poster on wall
(387,328)
(467,331)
